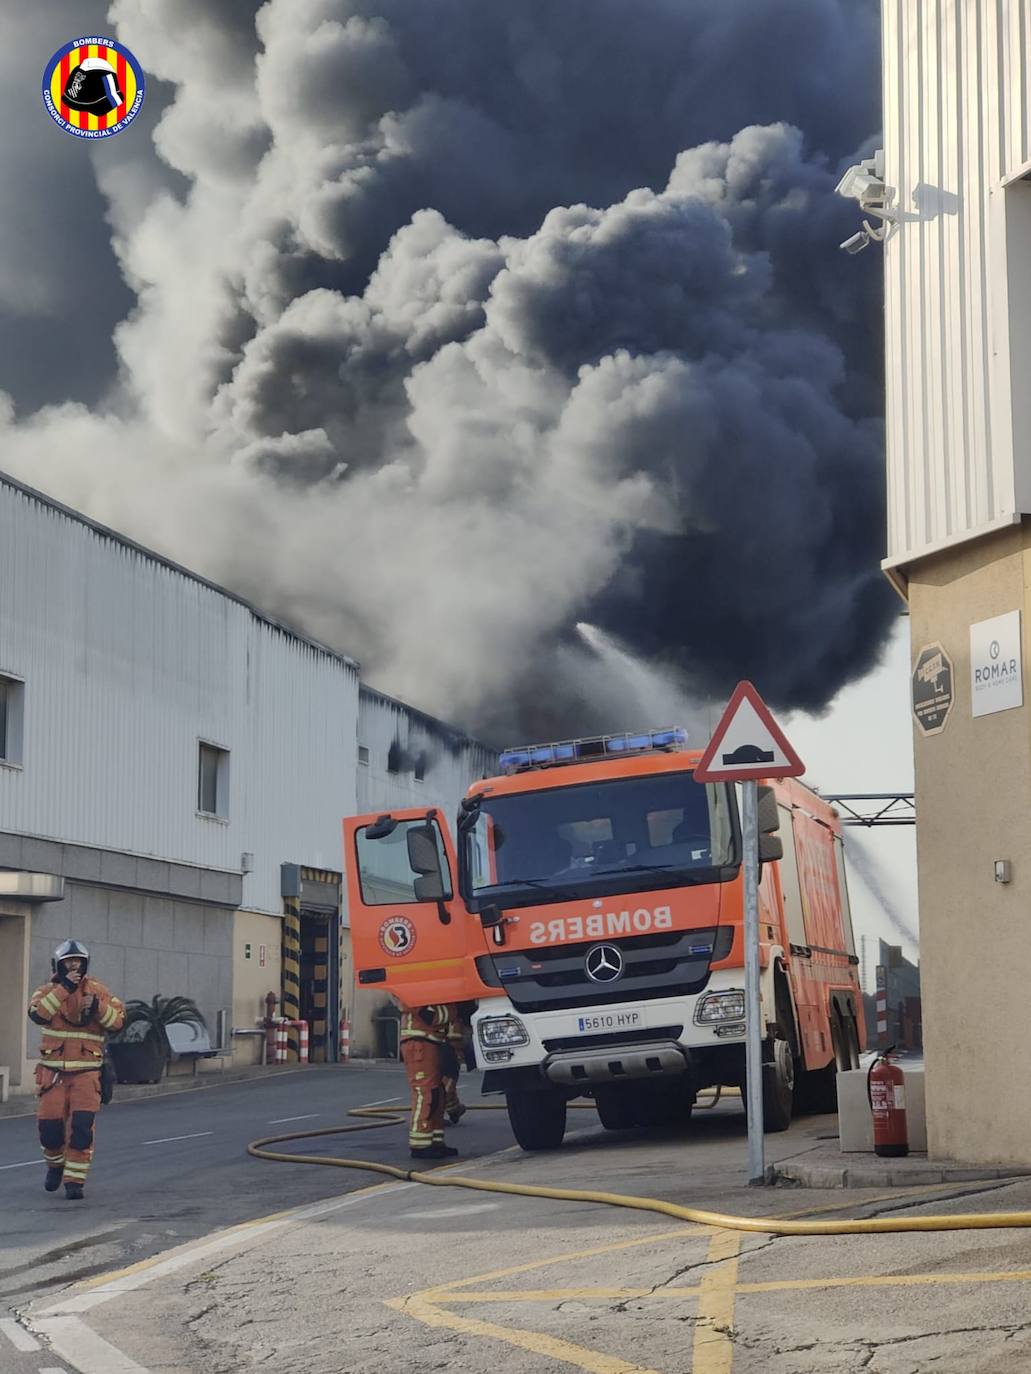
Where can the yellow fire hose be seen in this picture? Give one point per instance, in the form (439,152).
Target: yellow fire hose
(770,1226)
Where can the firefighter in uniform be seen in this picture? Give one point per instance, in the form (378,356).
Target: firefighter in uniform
(452,1057)
(423,1038)
(76,1014)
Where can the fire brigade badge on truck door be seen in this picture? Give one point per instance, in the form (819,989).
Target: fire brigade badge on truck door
(397,936)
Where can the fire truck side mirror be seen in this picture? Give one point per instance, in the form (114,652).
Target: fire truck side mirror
(428,888)
(422,850)
(769,811)
(770,848)
(770,845)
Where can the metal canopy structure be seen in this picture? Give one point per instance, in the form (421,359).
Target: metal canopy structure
(874,808)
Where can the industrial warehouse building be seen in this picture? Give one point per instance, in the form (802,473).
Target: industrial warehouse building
(957,157)
(174,768)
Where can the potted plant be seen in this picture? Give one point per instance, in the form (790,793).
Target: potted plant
(140,1051)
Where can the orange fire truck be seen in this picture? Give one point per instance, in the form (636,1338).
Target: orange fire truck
(591,904)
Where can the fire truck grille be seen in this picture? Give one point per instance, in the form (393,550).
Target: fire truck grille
(664,964)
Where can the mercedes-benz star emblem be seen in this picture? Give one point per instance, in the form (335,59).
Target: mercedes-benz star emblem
(604,963)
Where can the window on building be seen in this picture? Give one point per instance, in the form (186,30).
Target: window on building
(420,767)
(12,692)
(363,754)
(213,781)
(394,758)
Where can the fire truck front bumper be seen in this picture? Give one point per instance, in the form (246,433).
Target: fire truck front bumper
(650,1059)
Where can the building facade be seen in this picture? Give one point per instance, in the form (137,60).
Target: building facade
(174,768)
(957,153)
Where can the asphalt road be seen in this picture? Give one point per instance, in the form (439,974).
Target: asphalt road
(171,1168)
(418,1278)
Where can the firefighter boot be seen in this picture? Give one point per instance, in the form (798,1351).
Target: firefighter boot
(73,1192)
(441,1151)
(52,1182)
(455,1114)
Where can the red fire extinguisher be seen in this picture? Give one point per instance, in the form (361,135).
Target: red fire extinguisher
(886,1091)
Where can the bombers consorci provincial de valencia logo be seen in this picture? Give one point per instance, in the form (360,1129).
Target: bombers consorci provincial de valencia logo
(93,87)
(397,936)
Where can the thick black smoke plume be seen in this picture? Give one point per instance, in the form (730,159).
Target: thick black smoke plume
(456,323)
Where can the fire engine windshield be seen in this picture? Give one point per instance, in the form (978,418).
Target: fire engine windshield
(611,836)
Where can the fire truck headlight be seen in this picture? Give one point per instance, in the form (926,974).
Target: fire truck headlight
(720,1006)
(497,1032)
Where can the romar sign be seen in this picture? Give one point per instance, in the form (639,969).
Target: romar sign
(996,679)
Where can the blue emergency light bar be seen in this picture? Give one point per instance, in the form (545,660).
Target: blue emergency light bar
(587,750)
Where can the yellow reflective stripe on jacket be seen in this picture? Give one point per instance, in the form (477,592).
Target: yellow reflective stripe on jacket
(51,1001)
(110,1015)
(71,1035)
(70,1063)
(413,1027)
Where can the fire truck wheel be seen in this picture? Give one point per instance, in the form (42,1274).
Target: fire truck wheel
(615,1108)
(538,1118)
(778,1088)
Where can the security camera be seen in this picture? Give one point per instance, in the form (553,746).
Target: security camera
(857,183)
(864,181)
(856,243)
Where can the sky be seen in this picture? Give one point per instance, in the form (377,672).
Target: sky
(440,330)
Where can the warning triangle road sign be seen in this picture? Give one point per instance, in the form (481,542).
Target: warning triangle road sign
(748,743)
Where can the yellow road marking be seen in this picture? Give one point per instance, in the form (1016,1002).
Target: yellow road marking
(578,1356)
(455,1284)
(713,1347)
(772,1286)
(886,1281)
(564,1294)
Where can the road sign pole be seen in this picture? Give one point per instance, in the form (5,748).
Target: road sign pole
(746,746)
(753,1006)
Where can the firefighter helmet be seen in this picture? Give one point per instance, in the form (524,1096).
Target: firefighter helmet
(92,86)
(71,949)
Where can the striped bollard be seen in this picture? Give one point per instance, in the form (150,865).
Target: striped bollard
(345,1039)
(281,1040)
(302,1046)
(882,1007)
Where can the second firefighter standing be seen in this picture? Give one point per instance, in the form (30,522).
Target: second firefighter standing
(425,1053)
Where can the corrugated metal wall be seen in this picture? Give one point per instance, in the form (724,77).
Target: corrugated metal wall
(127,664)
(451,760)
(956,128)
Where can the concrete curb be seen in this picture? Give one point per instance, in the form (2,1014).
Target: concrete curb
(872,1172)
